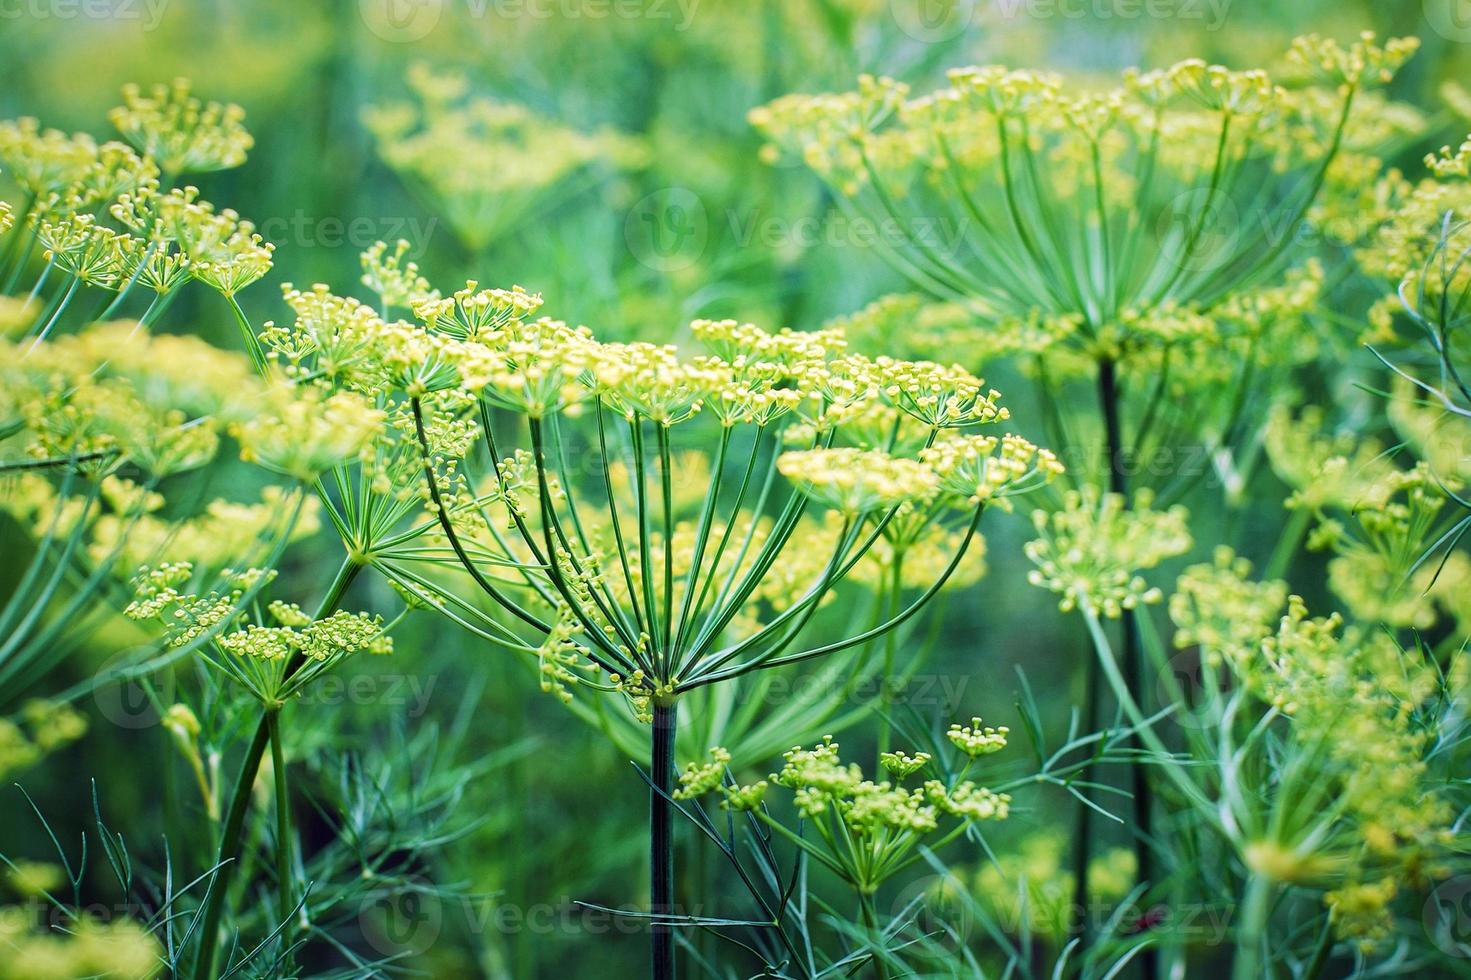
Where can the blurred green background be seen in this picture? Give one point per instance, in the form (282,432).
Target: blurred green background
(695,226)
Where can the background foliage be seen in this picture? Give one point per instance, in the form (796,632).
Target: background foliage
(684,222)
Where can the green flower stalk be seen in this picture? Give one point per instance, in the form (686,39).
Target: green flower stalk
(98,425)
(109,217)
(1133,234)
(867,831)
(597,581)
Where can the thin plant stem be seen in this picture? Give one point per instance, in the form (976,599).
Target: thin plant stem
(1322,952)
(1287,543)
(229,852)
(869,915)
(247,333)
(65,301)
(1082,856)
(206,964)
(661,837)
(891,606)
(1131,657)
(1252,937)
(284,886)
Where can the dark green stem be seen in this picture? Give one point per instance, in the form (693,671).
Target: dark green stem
(1131,654)
(284,887)
(661,838)
(869,916)
(1322,953)
(1083,822)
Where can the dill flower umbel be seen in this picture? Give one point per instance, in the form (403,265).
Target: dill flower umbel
(886,820)
(117,393)
(1378,519)
(303,432)
(611,564)
(857,481)
(1032,888)
(1355,705)
(1096,215)
(640,586)
(178,131)
(273,658)
(1091,551)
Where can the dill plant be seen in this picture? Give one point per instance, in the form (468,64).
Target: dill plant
(96,419)
(99,414)
(1318,762)
(659,531)
(1138,237)
(598,583)
(866,832)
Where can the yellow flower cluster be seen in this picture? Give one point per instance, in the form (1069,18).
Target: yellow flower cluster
(1030,885)
(1440,438)
(179,132)
(977,740)
(1353,699)
(397,283)
(858,481)
(339,635)
(116,392)
(188,616)
(43,727)
(1091,550)
(560,665)
(823,785)
(102,214)
(273,656)
(878,127)
(700,778)
(43,161)
(305,432)
(1113,222)
(1340,470)
(1220,609)
(1363,61)
(982,469)
(176,235)
(83,946)
(1416,245)
(1361,911)
(902,765)
(922,554)
(1378,519)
